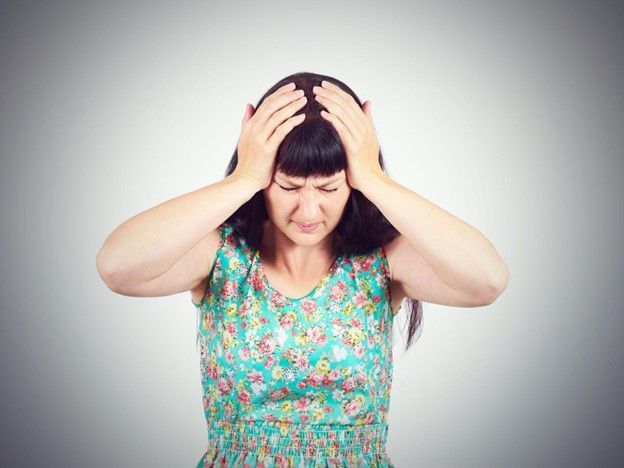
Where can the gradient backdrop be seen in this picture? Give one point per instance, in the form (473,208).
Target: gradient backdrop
(508,115)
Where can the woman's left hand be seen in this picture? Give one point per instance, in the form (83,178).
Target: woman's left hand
(355,127)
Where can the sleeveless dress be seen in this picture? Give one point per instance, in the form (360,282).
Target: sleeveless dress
(295,382)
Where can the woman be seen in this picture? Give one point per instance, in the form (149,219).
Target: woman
(297,262)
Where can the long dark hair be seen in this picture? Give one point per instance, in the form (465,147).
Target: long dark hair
(313,148)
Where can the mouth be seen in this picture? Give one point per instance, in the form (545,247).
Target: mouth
(307,227)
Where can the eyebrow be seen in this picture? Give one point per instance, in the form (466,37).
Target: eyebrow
(325,184)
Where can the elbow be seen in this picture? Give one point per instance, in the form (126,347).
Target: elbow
(497,285)
(106,270)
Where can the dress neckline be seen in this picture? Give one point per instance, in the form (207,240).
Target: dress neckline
(332,269)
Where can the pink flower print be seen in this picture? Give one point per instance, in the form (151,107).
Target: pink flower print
(301,385)
(266,344)
(223,385)
(366,263)
(231,328)
(301,404)
(356,322)
(369,418)
(359,299)
(279,394)
(211,370)
(315,379)
(244,353)
(330,378)
(334,375)
(256,281)
(384,377)
(301,362)
(277,300)
(362,378)
(348,385)
(228,289)
(243,396)
(337,293)
(269,361)
(287,320)
(308,305)
(352,408)
(377,299)
(255,377)
(303,418)
(315,334)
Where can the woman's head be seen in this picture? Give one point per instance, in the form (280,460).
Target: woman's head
(310,155)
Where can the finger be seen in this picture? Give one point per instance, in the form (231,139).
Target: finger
(353,129)
(340,127)
(330,89)
(282,130)
(340,106)
(281,116)
(274,103)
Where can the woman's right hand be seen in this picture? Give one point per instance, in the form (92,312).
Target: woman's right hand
(263,131)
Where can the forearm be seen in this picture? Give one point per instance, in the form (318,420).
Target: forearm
(460,255)
(151,242)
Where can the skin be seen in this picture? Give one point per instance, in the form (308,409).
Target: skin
(296,256)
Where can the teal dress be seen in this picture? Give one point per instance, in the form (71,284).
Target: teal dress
(295,382)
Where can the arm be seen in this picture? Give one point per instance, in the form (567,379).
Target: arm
(461,257)
(150,243)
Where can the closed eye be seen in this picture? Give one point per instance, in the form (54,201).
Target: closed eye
(295,188)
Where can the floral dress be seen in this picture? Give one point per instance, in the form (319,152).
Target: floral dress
(295,382)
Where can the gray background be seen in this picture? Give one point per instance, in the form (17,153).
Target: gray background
(508,115)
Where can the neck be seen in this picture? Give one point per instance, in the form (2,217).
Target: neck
(297,261)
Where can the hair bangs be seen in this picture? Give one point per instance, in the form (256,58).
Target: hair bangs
(311,149)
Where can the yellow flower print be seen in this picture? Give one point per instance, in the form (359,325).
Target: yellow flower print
(354,335)
(322,367)
(301,339)
(234,264)
(231,310)
(278,372)
(286,406)
(254,323)
(226,339)
(348,308)
(318,414)
(284,427)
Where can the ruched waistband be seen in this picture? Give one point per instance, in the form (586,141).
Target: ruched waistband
(269,438)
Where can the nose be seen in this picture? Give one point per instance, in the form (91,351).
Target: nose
(309,206)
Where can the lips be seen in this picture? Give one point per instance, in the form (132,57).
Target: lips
(307,227)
